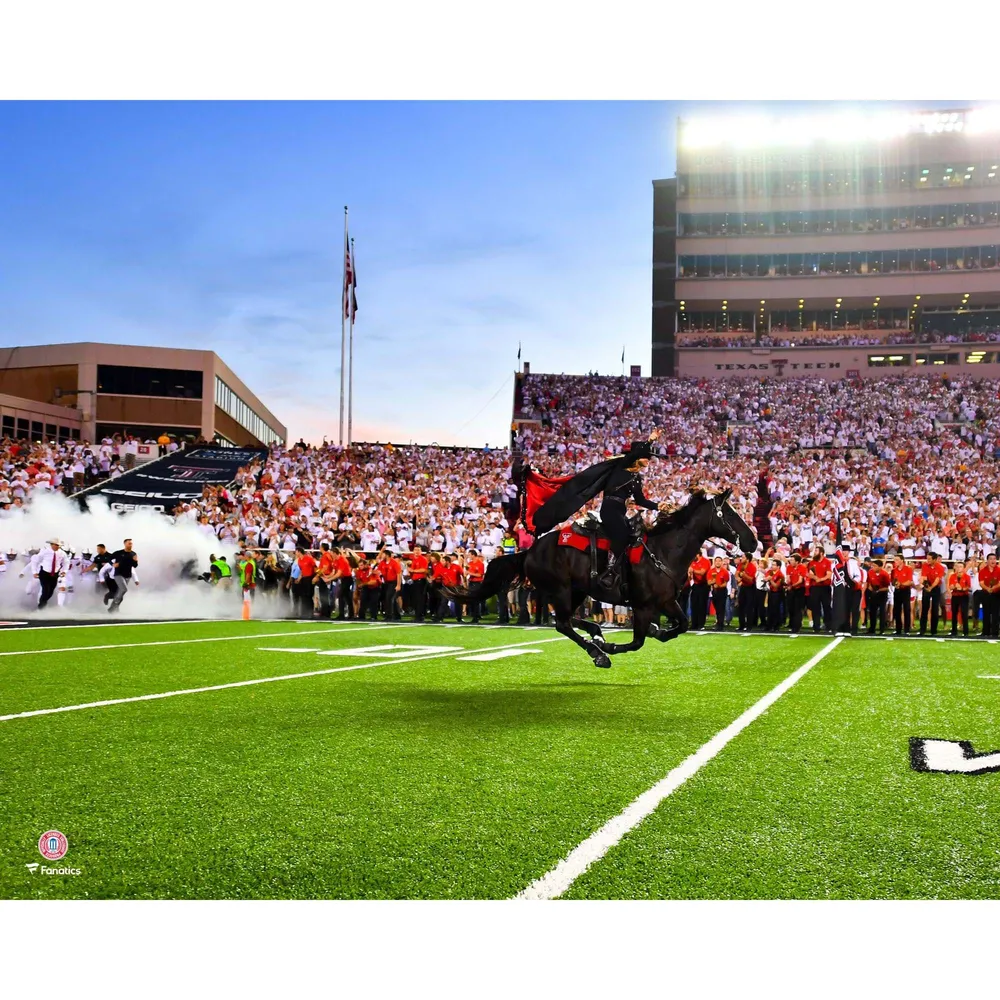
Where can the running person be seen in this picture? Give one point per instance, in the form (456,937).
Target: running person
(104,567)
(125,563)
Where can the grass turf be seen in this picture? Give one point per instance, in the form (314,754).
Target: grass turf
(817,799)
(445,778)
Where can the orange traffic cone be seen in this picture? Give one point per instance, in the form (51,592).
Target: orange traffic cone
(246,611)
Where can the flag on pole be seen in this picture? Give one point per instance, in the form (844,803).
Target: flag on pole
(350,283)
(519,350)
(623,355)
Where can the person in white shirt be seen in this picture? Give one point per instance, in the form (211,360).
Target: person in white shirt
(65,589)
(854,583)
(370,539)
(939,544)
(52,565)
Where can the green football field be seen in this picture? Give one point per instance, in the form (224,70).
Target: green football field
(322,760)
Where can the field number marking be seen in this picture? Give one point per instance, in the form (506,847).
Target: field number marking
(390,651)
(951,757)
(500,654)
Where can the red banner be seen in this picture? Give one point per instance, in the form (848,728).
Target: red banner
(537,489)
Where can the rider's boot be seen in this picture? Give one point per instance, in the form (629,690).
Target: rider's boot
(609,578)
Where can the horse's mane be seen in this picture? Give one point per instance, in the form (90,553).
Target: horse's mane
(681,517)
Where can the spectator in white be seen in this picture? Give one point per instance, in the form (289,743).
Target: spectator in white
(370,539)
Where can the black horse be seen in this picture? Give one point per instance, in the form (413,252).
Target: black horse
(671,545)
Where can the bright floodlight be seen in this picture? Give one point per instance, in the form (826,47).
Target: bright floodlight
(839,126)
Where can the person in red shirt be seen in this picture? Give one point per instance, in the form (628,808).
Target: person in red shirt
(436,581)
(419,570)
(796,592)
(877,595)
(746,577)
(718,580)
(902,581)
(475,568)
(989,581)
(775,595)
(820,576)
(368,578)
(325,576)
(450,576)
(959,586)
(931,575)
(392,583)
(344,577)
(302,589)
(698,579)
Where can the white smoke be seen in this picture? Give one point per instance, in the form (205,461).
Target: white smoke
(163,549)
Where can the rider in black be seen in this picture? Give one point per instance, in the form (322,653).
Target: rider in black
(620,480)
(624,484)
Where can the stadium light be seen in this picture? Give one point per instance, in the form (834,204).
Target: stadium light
(834,127)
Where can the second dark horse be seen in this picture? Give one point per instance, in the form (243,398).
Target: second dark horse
(563,574)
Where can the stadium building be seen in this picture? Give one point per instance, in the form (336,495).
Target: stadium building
(880,227)
(89,391)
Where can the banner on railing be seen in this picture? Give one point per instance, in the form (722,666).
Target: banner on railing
(169,481)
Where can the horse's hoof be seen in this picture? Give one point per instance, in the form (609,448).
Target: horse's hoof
(601,659)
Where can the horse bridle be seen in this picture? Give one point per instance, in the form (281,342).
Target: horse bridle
(719,503)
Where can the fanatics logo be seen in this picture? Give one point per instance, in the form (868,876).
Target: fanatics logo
(52,845)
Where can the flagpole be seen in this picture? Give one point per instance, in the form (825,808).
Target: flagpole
(343,310)
(350,363)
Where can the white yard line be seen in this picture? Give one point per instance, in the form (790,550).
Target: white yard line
(261,680)
(105,624)
(557,881)
(183,642)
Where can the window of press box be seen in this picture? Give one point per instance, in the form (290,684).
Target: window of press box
(36,430)
(789,182)
(936,359)
(8,426)
(22,428)
(859,262)
(125,380)
(889,360)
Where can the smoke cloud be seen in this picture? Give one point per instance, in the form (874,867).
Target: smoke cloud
(164,549)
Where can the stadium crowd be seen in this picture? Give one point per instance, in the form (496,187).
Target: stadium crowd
(67,466)
(900,467)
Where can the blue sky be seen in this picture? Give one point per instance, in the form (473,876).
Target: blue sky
(220,226)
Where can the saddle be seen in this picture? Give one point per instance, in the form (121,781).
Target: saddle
(587,534)
(590,525)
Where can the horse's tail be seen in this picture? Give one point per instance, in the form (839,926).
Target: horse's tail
(500,574)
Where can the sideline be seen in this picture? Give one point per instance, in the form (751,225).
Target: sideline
(260,680)
(558,880)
